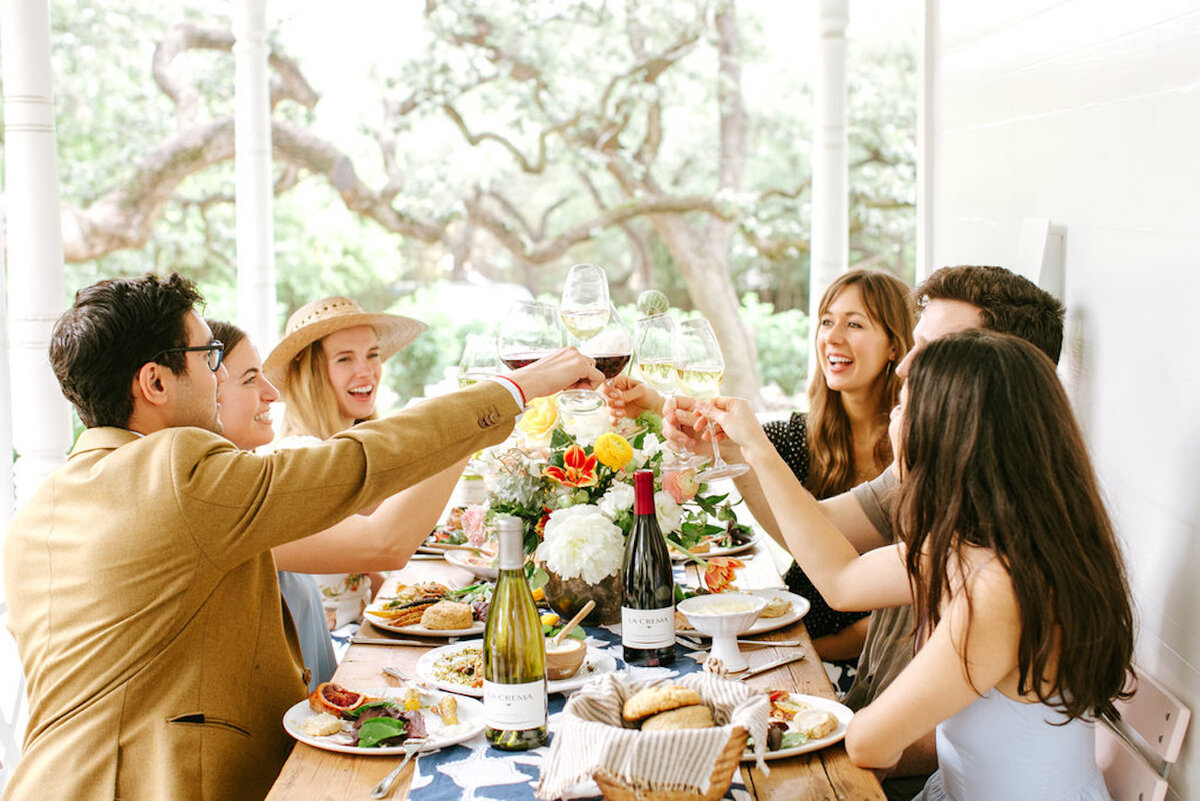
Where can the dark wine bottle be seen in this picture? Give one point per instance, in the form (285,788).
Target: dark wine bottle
(514,653)
(647,584)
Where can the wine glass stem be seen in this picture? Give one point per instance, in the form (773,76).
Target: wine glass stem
(718,462)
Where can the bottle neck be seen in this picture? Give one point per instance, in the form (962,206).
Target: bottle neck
(643,492)
(512,552)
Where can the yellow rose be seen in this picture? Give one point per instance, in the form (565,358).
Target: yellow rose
(537,424)
(612,450)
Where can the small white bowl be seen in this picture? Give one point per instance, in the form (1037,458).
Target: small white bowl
(723,616)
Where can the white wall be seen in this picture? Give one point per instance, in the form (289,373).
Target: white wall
(1088,113)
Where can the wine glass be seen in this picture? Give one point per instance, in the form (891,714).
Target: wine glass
(701,368)
(478,360)
(656,347)
(584,303)
(611,346)
(529,331)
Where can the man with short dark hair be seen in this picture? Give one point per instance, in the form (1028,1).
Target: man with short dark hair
(139,578)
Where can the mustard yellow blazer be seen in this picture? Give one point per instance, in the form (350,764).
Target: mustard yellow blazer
(144,603)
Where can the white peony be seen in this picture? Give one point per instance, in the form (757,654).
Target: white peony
(669,513)
(651,445)
(619,498)
(580,541)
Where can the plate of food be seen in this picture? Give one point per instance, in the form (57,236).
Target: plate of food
(432,609)
(379,722)
(726,543)
(459,668)
(482,564)
(449,534)
(783,609)
(802,723)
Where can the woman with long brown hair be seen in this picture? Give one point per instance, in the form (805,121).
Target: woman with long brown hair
(1009,557)
(862,331)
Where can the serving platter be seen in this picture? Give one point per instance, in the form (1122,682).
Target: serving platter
(470,716)
(596,663)
(479,564)
(799,608)
(841,712)
(417,630)
(730,550)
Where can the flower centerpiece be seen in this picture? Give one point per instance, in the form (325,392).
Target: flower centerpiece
(572,484)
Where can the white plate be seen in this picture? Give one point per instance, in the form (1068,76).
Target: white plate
(729,551)
(763,624)
(480,566)
(842,713)
(594,664)
(416,629)
(470,723)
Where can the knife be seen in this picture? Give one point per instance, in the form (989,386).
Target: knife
(780,662)
(357,640)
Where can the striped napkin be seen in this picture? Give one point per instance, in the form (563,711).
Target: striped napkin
(593,736)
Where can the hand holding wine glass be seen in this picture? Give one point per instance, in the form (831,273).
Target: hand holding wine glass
(657,350)
(701,367)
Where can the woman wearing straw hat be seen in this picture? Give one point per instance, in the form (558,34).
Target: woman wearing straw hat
(328,367)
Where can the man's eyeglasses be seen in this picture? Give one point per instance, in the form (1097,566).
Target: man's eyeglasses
(215,349)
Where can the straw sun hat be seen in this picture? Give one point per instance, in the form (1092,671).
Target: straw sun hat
(319,319)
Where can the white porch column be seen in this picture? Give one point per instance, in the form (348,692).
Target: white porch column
(830,198)
(6,465)
(41,422)
(255,198)
(928,91)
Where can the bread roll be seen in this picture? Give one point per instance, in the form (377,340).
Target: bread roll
(652,700)
(447,615)
(696,716)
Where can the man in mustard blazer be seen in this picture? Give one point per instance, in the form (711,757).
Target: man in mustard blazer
(139,578)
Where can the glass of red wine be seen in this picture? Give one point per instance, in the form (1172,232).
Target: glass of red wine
(528,332)
(611,346)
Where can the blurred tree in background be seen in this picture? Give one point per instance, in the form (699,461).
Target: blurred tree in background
(668,142)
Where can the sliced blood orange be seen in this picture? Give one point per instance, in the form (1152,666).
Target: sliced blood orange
(335,699)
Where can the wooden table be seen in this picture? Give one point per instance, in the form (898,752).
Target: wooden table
(312,774)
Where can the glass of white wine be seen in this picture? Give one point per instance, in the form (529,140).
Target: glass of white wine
(478,360)
(700,369)
(585,311)
(656,349)
(584,304)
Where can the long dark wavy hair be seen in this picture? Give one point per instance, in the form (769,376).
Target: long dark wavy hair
(994,458)
(830,440)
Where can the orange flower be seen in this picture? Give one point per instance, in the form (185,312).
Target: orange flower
(578,470)
(719,573)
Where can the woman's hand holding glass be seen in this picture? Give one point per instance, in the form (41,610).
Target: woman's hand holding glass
(701,366)
(628,397)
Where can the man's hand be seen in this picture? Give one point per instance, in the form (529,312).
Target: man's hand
(628,397)
(565,368)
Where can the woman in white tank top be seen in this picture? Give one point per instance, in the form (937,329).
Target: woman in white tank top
(1010,560)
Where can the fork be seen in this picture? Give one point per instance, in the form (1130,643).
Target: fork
(384,788)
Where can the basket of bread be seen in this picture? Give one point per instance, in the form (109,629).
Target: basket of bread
(679,739)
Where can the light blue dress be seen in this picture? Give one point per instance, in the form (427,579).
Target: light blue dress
(998,749)
(303,600)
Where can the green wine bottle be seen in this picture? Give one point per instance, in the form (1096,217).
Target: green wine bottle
(647,584)
(514,653)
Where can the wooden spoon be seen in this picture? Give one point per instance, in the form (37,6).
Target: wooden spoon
(580,615)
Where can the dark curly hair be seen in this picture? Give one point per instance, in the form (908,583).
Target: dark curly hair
(114,327)
(1008,303)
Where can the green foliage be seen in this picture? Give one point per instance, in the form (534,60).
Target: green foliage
(783,343)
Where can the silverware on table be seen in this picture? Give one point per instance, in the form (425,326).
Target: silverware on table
(703,645)
(360,640)
(774,663)
(384,788)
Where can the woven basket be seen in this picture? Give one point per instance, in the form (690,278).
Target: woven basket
(614,788)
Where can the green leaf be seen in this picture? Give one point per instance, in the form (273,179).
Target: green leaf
(354,713)
(375,730)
